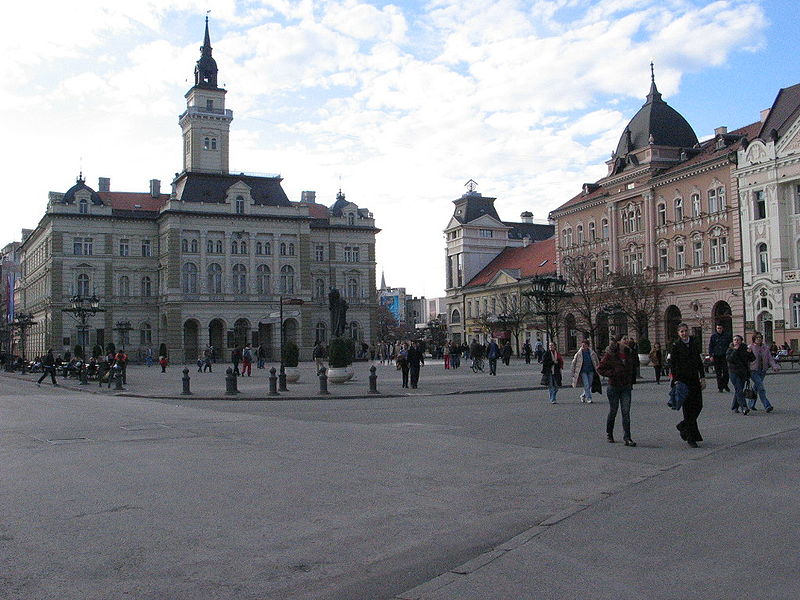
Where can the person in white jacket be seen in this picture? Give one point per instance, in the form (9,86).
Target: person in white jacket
(583,369)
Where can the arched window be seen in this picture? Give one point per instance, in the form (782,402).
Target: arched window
(795,310)
(267,248)
(147,287)
(679,209)
(239,205)
(355,330)
(259,248)
(214,279)
(213,143)
(763,258)
(83,285)
(283,248)
(592,231)
(145,334)
(83,206)
(321,332)
(234,247)
(193,246)
(319,288)
(184,245)
(189,278)
(579,232)
(352,287)
(291,249)
(262,279)
(604,228)
(455,317)
(124,286)
(661,213)
(243,248)
(287,280)
(210,246)
(219,247)
(239,279)
(696,207)
(206,143)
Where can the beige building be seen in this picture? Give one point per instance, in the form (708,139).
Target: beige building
(668,206)
(208,263)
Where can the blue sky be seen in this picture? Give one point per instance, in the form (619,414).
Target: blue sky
(400,102)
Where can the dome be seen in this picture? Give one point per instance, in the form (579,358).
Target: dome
(656,123)
(80,184)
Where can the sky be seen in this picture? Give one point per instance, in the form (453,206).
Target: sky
(398,104)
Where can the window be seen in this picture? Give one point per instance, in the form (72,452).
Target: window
(351,219)
(604,228)
(213,143)
(712,201)
(593,270)
(267,248)
(698,253)
(352,288)
(145,334)
(319,253)
(351,253)
(319,289)
(83,285)
(797,200)
(218,246)
(193,246)
(262,279)
(83,206)
(239,279)
(291,249)
(469,309)
(242,247)
(661,213)
(606,267)
(679,209)
(82,246)
(239,205)
(485,233)
(566,236)
(287,280)
(680,257)
(723,249)
(206,143)
(592,232)
(759,205)
(795,310)
(189,278)
(184,245)
(579,233)
(696,207)
(124,247)
(721,199)
(209,103)
(146,248)
(763,258)
(124,286)
(234,247)
(214,279)
(259,248)
(210,246)
(663,263)
(719,250)
(147,287)
(283,248)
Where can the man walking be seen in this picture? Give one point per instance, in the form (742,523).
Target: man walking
(48,366)
(492,353)
(718,348)
(686,367)
(415,361)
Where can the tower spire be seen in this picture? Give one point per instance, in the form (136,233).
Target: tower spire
(205,72)
(654,95)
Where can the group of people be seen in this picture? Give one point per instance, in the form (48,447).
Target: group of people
(100,368)
(410,358)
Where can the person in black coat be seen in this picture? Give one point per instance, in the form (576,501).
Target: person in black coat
(415,361)
(686,366)
(738,359)
(718,349)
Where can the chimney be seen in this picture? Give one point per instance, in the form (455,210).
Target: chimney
(764,114)
(526,217)
(308,197)
(104,184)
(155,188)
(721,130)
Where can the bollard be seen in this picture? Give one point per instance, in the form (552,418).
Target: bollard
(273,382)
(118,382)
(282,380)
(84,375)
(186,391)
(323,382)
(230,383)
(373,381)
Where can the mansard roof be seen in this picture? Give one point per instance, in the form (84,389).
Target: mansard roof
(534,231)
(213,188)
(472,205)
(80,184)
(784,112)
(538,258)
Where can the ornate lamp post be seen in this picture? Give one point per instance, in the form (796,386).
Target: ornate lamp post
(81,310)
(548,292)
(123,327)
(22,322)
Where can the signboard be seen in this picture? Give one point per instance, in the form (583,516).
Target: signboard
(393,304)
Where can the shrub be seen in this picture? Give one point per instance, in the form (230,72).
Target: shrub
(644,346)
(340,353)
(290,354)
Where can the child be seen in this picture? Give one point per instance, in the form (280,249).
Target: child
(162,360)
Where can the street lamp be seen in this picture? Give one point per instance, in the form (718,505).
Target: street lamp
(22,322)
(548,292)
(81,310)
(123,327)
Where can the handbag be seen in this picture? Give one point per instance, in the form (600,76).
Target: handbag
(597,385)
(545,379)
(749,392)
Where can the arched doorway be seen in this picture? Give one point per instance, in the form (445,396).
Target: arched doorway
(765,326)
(241,333)
(601,341)
(290,328)
(265,338)
(571,333)
(672,318)
(216,337)
(723,315)
(191,340)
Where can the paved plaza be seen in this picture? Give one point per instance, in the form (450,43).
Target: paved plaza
(470,487)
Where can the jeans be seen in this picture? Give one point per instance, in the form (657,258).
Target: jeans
(619,398)
(758,386)
(588,379)
(492,366)
(414,370)
(553,389)
(739,401)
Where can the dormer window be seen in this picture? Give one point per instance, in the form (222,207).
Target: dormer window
(83,206)
(351,219)
(209,104)
(239,205)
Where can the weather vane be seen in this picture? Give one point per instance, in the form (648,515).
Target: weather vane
(471,185)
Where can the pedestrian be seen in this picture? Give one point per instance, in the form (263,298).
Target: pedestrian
(686,366)
(402,363)
(619,367)
(207,360)
(739,358)
(758,370)
(492,353)
(318,354)
(527,351)
(584,364)
(261,352)
(200,362)
(552,365)
(718,349)
(48,366)
(121,360)
(162,360)
(507,353)
(236,358)
(247,361)
(415,360)
(148,357)
(538,350)
(657,360)
(447,354)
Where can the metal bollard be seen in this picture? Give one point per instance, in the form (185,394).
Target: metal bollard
(118,382)
(84,375)
(373,381)
(282,380)
(323,382)
(186,391)
(230,383)
(273,382)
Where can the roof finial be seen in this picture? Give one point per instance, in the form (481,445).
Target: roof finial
(654,95)
(652,71)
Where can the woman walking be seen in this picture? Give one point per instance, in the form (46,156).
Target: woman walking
(657,360)
(402,363)
(739,358)
(619,367)
(758,369)
(584,364)
(552,365)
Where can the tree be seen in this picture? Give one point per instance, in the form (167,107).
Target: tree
(549,302)
(515,314)
(591,293)
(638,295)
(388,328)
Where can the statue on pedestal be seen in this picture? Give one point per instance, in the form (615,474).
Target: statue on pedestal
(338,309)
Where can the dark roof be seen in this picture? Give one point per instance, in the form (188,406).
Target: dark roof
(710,149)
(660,120)
(783,113)
(535,231)
(473,205)
(538,258)
(212,188)
(80,184)
(341,202)
(205,72)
